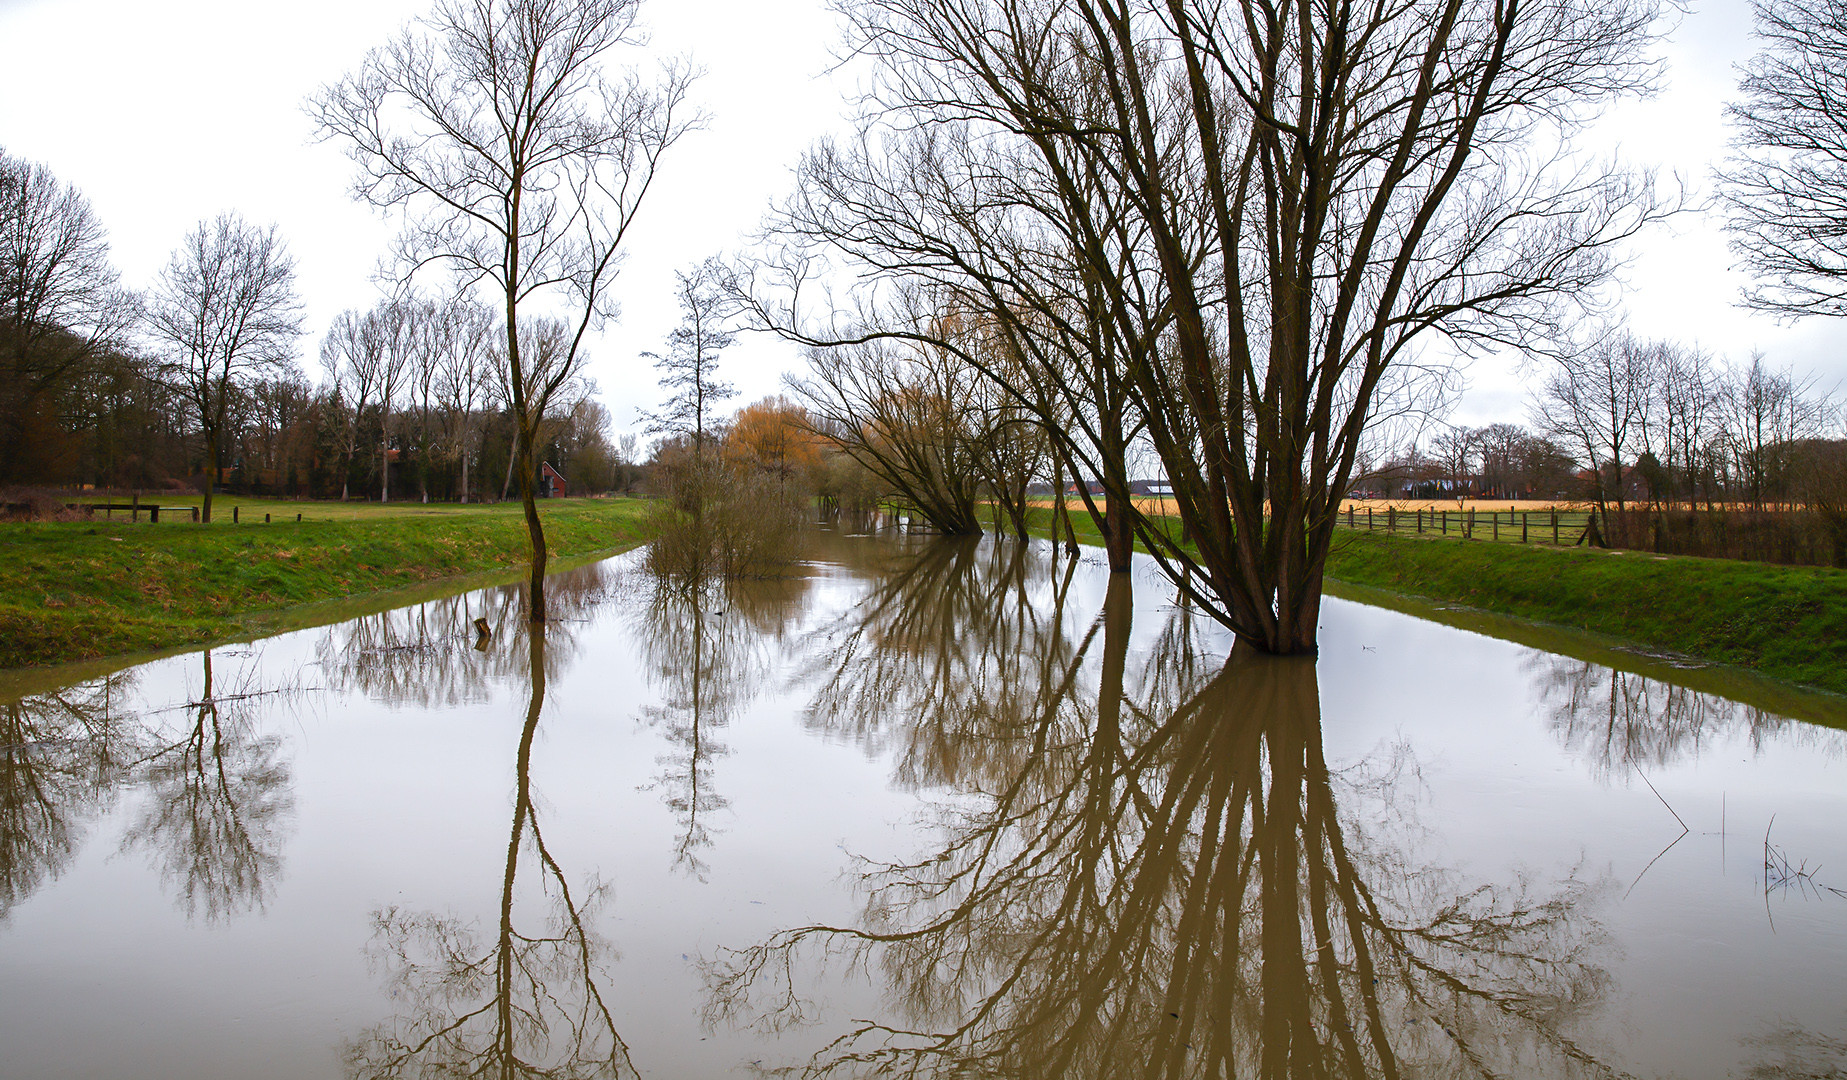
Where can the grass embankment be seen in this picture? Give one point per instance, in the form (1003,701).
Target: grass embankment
(1783,622)
(81,590)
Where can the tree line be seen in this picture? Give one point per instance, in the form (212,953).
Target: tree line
(198,376)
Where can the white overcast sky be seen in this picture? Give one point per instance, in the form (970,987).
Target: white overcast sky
(167,113)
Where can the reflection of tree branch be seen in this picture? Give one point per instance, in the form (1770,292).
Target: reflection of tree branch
(425,655)
(61,756)
(1617,720)
(528,1005)
(1171,890)
(1788,1052)
(216,806)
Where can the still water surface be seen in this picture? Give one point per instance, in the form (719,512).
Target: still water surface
(928,808)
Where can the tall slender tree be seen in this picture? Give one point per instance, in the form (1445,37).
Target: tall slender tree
(689,367)
(519,164)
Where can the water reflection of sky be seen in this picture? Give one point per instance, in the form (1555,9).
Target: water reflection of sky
(216,879)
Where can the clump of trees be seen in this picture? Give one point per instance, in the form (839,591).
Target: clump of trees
(1219,231)
(73,396)
(736,490)
(1662,430)
(1657,422)
(196,384)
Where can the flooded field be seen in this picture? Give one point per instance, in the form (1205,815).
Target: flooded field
(926,808)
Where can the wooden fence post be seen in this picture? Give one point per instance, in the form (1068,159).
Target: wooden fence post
(1391,519)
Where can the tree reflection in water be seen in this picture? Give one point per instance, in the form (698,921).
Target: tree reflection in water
(1157,885)
(1616,720)
(705,643)
(525,1003)
(215,797)
(426,655)
(217,801)
(62,755)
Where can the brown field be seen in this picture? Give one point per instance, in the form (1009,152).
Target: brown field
(1156,506)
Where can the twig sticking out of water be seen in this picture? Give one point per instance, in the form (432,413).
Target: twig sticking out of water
(1782,875)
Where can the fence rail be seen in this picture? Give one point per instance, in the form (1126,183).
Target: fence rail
(1563,528)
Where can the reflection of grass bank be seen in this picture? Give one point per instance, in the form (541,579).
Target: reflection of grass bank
(1785,622)
(83,590)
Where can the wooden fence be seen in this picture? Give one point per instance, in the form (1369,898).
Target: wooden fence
(1511,526)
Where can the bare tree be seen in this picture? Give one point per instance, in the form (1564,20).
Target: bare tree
(904,412)
(1784,188)
(1458,450)
(689,367)
(553,383)
(1595,403)
(1767,415)
(1501,447)
(226,311)
(1688,392)
(463,378)
(520,165)
(350,357)
(1266,211)
(60,305)
(398,328)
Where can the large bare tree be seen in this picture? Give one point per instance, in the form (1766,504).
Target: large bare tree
(518,163)
(1785,187)
(226,313)
(60,305)
(1267,212)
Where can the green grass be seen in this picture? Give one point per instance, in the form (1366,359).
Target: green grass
(1782,622)
(75,591)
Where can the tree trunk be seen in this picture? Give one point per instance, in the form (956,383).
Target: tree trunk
(1118,535)
(384,458)
(211,475)
(528,496)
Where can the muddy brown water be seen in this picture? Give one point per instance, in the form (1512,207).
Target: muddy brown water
(923,808)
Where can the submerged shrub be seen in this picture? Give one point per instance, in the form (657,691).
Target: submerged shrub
(724,517)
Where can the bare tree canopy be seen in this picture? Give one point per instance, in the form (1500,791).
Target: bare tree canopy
(518,164)
(1255,215)
(1784,188)
(60,305)
(689,367)
(226,313)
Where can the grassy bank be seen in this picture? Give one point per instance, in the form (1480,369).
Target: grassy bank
(74,591)
(1782,622)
